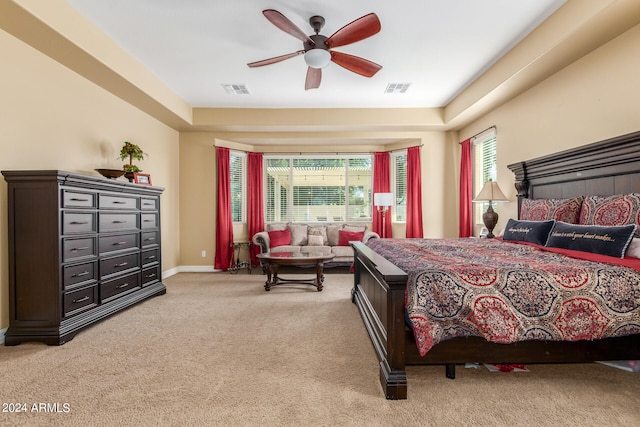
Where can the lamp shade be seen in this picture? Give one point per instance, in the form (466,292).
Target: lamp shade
(491,193)
(317,58)
(383,199)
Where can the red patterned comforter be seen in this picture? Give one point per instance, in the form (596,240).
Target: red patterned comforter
(508,292)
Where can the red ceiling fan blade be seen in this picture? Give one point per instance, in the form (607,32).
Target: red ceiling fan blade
(274,59)
(360,29)
(282,22)
(356,64)
(314,76)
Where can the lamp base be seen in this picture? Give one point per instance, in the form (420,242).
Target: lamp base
(490,219)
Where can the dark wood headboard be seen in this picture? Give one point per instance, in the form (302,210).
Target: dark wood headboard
(602,168)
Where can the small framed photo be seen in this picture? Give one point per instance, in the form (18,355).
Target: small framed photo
(142,178)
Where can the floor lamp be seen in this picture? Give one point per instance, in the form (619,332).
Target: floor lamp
(383,201)
(490,193)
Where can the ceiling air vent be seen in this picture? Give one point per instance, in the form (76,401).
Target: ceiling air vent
(397,87)
(237,89)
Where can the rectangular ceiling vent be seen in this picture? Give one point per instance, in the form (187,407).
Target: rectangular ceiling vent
(397,87)
(237,89)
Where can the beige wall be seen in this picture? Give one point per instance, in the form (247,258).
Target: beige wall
(51,118)
(595,98)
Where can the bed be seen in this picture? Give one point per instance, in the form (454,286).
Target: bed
(605,168)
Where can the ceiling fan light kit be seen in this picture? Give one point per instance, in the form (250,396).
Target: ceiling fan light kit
(317,48)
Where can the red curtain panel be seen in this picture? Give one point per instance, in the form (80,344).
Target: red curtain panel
(255,200)
(414,193)
(466,190)
(381,184)
(224,223)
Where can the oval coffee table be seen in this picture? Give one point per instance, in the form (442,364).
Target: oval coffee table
(271,262)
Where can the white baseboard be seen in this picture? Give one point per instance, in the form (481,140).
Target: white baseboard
(189,269)
(2,333)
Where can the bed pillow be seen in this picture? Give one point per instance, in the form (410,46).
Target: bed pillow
(566,210)
(634,248)
(350,236)
(621,209)
(528,231)
(597,239)
(279,238)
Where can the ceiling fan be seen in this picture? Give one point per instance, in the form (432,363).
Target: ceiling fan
(318,48)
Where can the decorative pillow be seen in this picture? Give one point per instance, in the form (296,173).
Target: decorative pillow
(634,248)
(566,210)
(333,234)
(350,236)
(298,234)
(354,227)
(319,231)
(315,240)
(620,209)
(528,231)
(279,238)
(274,226)
(597,239)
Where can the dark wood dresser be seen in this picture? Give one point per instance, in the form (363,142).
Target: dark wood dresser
(81,248)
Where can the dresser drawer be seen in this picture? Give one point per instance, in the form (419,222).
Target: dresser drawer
(73,199)
(150,275)
(118,202)
(150,256)
(119,242)
(80,273)
(119,264)
(73,249)
(148,220)
(75,222)
(149,204)
(118,287)
(80,300)
(150,238)
(118,221)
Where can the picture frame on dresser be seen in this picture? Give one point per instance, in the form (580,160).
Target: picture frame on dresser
(142,178)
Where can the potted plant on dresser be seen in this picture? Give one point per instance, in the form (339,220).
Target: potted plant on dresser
(132,152)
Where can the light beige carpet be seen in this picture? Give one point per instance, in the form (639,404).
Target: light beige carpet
(219,350)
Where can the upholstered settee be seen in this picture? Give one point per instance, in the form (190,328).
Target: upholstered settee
(324,238)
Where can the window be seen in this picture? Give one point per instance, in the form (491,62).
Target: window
(300,189)
(237,167)
(484,167)
(399,185)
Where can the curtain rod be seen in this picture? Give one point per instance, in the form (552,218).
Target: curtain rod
(337,153)
(479,133)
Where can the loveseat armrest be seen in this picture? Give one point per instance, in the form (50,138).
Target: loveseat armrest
(262,240)
(369,235)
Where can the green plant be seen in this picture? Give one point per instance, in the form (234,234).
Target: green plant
(132,152)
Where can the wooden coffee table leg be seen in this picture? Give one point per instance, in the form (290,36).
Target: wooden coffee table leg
(268,269)
(319,275)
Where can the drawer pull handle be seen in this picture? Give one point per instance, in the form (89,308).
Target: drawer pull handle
(79,222)
(122,264)
(119,222)
(118,202)
(149,239)
(149,276)
(83,299)
(81,248)
(149,204)
(119,243)
(75,199)
(84,273)
(147,220)
(151,257)
(124,285)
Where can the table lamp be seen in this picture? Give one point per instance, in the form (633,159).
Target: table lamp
(383,201)
(490,193)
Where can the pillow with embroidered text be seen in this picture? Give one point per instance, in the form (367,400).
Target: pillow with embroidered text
(528,231)
(597,239)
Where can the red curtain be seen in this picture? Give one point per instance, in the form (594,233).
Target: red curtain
(224,223)
(414,193)
(381,184)
(466,191)
(255,199)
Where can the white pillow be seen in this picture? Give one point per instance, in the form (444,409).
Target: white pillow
(634,248)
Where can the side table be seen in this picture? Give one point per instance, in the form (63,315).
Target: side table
(236,263)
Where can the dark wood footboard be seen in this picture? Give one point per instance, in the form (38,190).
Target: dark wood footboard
(378,291)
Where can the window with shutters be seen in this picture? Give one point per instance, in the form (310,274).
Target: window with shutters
(484,168)
(399,185)
(318,189)
(237,166)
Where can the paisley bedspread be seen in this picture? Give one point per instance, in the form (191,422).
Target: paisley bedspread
(508,292)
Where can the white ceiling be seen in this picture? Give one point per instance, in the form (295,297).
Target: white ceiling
(197,46)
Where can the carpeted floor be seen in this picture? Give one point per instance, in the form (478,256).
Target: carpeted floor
(219,350)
